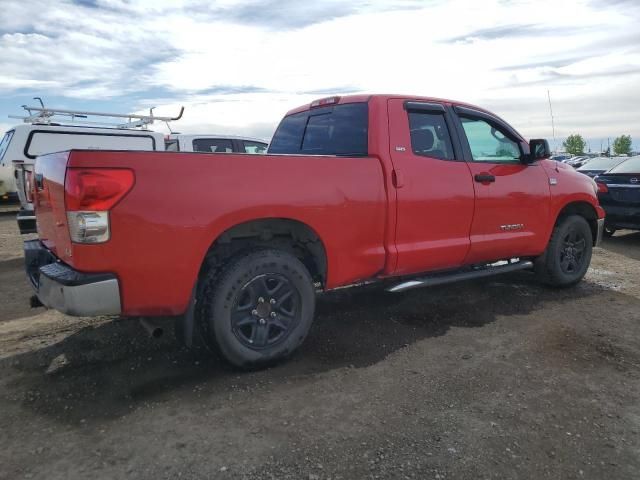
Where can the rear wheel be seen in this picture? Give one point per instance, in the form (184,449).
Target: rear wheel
(568,254)
(259,309)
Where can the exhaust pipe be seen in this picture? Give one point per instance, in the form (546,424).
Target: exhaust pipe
(154,330)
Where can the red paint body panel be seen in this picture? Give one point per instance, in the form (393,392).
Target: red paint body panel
(49,203)
(435,203)
(162,229)
(436,217)
(519,195)
(571,187)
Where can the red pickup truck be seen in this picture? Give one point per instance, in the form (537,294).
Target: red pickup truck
(413,191)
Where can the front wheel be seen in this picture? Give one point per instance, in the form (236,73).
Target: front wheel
(259,309)
(568,254)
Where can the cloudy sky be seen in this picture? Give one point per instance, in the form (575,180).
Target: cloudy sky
(238,66)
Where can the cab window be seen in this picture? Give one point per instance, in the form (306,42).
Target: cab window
(430,135)
(335,130)
(254,147)
(488,143)
(215,145)
(171,145)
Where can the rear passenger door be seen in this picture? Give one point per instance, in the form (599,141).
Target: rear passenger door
(434,189)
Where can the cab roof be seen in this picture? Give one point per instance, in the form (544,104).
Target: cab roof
(342,99)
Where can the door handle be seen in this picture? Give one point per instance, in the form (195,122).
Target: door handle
(485,178)
(397,178)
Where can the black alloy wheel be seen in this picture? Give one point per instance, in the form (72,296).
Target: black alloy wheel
(257,309)
(572,252)
(267,309)
(568,255)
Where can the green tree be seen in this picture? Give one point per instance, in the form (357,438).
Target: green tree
(574,144)
(622,145)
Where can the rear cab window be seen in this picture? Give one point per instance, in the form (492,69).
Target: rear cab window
(335,130)
(600,163)
(628,166)
(41,142)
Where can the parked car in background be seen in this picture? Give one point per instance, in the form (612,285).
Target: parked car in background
(412,191)
(619,195)
(577,162)
(211,143)
(598,165)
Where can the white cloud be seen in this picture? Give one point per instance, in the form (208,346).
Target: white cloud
(238,66)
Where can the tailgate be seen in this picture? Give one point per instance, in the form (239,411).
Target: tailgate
(51,218)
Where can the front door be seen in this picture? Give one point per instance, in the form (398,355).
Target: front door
(512,197)
(433,185)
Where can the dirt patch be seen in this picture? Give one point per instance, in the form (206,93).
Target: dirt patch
(501,378)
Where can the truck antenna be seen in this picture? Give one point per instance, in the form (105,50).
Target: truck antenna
(553,127)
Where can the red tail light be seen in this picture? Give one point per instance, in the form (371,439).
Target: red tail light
(602,187)
(96,189)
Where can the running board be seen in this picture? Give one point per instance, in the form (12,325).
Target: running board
(439,279)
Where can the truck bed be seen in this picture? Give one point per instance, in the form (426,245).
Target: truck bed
(182,202)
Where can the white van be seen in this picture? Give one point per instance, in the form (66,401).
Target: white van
(182,142)
(23,143)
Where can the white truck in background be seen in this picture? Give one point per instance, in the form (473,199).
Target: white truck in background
(182,142)
(43,132)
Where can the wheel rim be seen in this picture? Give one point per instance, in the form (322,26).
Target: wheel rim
(265,311)
(572,253)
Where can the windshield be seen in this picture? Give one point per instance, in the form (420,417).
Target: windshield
(601,163)
(336,130)
(4,144)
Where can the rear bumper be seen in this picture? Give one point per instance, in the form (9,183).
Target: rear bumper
(62,288)
(619,217)
(26,221)
(10,197)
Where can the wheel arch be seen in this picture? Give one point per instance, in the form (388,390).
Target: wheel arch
(287,234)
(584,209)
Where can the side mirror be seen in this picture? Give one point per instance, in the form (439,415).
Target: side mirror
(539,149)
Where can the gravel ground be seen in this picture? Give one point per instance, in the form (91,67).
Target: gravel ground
(494,379)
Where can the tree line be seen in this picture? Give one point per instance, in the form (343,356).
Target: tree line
(575,144)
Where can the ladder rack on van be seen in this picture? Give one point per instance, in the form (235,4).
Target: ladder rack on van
(45,115)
